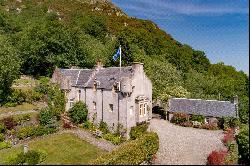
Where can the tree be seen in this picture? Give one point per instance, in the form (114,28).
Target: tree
(9,67)
(56,101)
(243,144)
(78,113)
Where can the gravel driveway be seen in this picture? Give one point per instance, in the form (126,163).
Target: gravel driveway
(184,146)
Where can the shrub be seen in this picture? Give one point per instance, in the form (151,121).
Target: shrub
(78,113)
(89,125)
(217,157)
(233,156)
(56,101)
(230,122)
(115,139)
(179,118)
(103,127)
(17,97)
(22,118)
(4,145)
(186,124)
(33,131)
(138,130)
(198,118)
(243,144)
(43,85)
(2,128)
(133,152)
(228,137)
(120,131)
(9,122)
(32,96)
(45,116)
(209,126)
(32,157)
(1,137)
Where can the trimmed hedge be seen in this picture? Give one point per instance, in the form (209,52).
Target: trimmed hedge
(34,131)
(132,153)
(138,130)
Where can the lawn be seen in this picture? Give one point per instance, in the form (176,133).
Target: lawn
(60,148)
(22,107)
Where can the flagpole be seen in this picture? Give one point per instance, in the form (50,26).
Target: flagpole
(120,57)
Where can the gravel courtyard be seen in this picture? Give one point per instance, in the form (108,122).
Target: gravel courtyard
(184,146)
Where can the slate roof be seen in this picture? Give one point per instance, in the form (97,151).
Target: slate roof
(212,108)
(106,76)
(73,73)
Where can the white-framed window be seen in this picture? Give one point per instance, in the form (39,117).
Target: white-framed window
(131,110)
(145,109)
(71,103)
(111,107)
(141,109)
(94,105)
(79,95)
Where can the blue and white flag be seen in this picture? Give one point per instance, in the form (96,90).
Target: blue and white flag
(117,54)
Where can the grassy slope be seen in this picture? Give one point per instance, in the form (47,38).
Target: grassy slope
(61,149)
(22,107)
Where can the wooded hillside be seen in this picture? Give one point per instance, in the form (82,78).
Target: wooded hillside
(37,35)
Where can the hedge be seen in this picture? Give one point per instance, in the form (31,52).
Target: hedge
(132,153)
(138,130)
(34,131)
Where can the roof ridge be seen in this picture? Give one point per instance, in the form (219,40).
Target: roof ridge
(200,99)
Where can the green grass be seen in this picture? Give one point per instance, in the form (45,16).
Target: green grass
(60,148)
(22,107)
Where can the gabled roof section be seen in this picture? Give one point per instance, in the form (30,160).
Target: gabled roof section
(108,76)
(212,108)
(78,76)
(105,76)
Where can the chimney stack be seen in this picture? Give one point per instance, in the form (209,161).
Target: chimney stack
(137,66)
(236,102)
(99,64)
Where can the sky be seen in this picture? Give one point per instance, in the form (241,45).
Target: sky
(220,28)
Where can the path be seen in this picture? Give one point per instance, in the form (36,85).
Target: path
(87,136)
(17,113)
(184,146)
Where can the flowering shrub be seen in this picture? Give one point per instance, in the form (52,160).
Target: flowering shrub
(209,126)
(186,124)
(228,137)
(9,122)
(179,118)
(217,157)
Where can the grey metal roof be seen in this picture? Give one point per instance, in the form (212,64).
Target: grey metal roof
(212,108)
(106,76)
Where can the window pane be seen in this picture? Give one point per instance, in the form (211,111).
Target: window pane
(145,109)
(111,107)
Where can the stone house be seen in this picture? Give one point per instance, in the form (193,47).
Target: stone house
(114,95)
(211,109)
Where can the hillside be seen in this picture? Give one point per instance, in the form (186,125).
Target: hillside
(38,35)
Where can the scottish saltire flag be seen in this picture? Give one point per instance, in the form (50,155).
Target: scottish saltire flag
(117,54)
